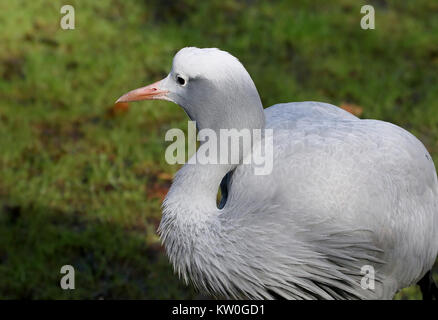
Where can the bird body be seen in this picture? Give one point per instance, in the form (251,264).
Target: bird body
(344,194)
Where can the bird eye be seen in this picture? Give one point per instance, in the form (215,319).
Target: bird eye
(181,80)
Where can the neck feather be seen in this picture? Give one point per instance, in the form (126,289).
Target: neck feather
(190,214)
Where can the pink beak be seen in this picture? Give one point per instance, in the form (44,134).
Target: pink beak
(150,92)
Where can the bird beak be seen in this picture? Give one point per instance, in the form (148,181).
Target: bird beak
(150,92)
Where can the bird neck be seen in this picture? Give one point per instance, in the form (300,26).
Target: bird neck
(228,104)
(190,214)
(192,196)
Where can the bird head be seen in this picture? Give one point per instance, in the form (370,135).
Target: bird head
(212,87)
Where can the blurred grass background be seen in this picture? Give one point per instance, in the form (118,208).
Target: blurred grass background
(83,186)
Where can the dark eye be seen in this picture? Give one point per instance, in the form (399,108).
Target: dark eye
(181,80)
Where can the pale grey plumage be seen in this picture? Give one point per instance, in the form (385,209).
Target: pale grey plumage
(343,193)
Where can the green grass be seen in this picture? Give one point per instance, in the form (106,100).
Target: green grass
(80,187)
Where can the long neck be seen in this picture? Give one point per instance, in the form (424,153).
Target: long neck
(190,228)
(194,190)
(230,104)
(234,105)
(190,213)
